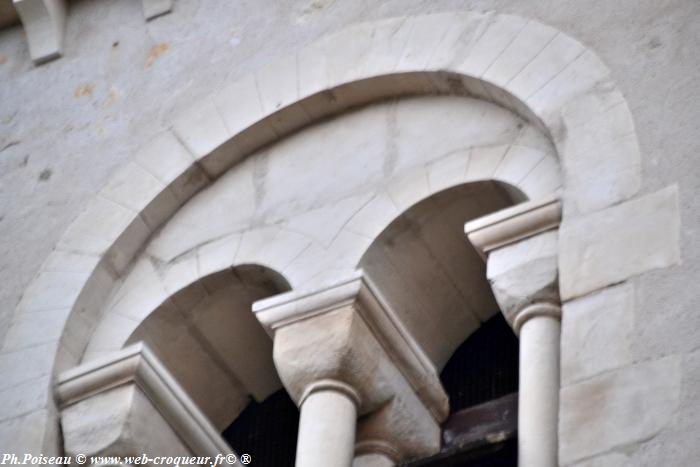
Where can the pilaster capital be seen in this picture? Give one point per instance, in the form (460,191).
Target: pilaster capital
(520,247)
(113,405)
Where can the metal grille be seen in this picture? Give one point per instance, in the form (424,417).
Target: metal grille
(481,380)
(484,367)
(267,431)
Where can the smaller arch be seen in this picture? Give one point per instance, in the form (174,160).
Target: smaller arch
(427,271)
(207,337)
(523,172)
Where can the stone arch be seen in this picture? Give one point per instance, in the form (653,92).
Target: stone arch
(329,239)
(432,278)
(543,75)
(199,333)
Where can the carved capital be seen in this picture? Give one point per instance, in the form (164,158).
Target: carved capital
(520,245)
(128,404)
(348,335)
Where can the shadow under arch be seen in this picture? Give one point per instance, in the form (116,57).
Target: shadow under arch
(210,341)
(430,274)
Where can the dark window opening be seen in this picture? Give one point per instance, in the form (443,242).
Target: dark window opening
(267,431)
(484,367)
(481,380)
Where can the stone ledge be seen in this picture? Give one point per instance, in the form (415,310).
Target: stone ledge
(44,22)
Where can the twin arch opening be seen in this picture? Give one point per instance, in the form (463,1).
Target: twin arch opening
(212,139)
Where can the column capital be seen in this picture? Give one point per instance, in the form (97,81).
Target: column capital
(351,319)
(110,406)
(345,337)
(520,247)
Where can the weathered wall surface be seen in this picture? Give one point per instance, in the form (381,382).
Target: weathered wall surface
(67,125)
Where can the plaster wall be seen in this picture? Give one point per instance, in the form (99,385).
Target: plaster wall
(69,124)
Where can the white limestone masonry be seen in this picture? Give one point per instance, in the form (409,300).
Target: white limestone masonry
(620,242)
(165,174)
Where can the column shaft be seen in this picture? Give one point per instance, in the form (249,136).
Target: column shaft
(326,430)
(538,398)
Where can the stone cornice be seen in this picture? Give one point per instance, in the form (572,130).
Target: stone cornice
(44,23)
(136,364)
(360,293)
(513,224)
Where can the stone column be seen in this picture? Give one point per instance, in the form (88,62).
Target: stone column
(342,353)
(327,425)
(538,326)
(521,248)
